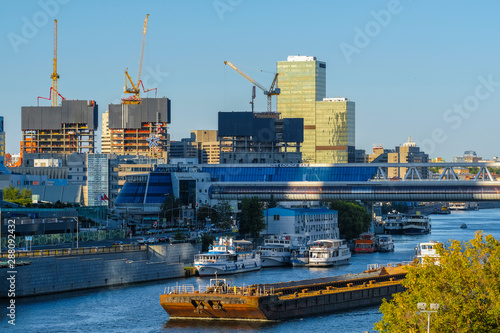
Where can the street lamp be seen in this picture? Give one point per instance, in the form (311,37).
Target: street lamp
(434,307)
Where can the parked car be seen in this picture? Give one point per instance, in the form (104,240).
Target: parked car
(152,240)
(163,240)
(118,243)
(141,240)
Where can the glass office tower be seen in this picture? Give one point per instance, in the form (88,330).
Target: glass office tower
(328,122)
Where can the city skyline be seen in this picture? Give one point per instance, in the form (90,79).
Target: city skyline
(413,69)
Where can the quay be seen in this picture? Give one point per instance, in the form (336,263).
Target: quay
(284,300)
(62,270)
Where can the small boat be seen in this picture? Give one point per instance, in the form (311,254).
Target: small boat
(228,256)
(329,252)
(463,226)
(427,250)
(443,211)
(385,243)
(300,257)
(277,250)
(366,243)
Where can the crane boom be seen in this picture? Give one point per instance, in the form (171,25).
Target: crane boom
(269,93)
(139,72)
(54,75)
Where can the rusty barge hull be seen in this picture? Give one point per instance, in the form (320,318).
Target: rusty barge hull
(285,300)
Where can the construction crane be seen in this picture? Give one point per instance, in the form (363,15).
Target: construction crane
(53,90)
(268,92)
(135,99)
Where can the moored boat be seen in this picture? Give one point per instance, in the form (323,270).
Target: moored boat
(277,250)
(228,256)
(427,250)
(385,243)
(300,257)
(366,243)
(416,224)
(393,224)
(329,252)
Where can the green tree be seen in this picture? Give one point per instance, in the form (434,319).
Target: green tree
(169,209)
(13,194)
(272,202)
(206,241)
(224,214)
(353,218)
(205,212)
(252,217)
(464,284)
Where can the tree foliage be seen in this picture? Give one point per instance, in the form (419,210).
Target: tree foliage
(252,217)
(206,241)
(353,218)
(205,213)
(225,215)
(15,195)
(465,284)
(272,202)
(169,209)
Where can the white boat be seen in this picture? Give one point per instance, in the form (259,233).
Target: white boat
(393,224)
(228,256)
(385,243)
(300,257)
(427,250)
(416,224)
(277,250)
(329,252)
(464,206)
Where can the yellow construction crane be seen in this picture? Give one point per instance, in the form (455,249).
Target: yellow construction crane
(135,99)
(54,75)
(268,92)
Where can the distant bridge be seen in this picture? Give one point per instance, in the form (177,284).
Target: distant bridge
(482,186)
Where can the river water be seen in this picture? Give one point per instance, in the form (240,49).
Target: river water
(137,309)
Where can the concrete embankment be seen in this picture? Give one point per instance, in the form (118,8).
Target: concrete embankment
(53,274)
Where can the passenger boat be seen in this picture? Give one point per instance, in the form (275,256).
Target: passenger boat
(277,250)
(464,206)
(416,224)
(300,257)
(427,250)
(366,243)
(385,243)
(228,256)
(329,252)
(393,224)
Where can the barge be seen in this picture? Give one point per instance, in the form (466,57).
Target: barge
(284,300)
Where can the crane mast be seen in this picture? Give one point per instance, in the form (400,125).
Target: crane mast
(54,75)
(269,93)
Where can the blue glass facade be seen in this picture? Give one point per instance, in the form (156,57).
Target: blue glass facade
(291,174)
(154,190)
(160,185)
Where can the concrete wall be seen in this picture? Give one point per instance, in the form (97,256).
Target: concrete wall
(48,275)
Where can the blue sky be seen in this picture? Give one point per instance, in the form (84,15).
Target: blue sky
(426,69)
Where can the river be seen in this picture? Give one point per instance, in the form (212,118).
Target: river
(136,308)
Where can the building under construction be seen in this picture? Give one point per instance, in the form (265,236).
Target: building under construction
(65,129)
(140,129)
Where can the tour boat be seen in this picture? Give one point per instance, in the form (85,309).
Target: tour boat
(328,252)
(385,243)
(393,224)
(416,224)
(427,250)
(277,250)
(228,256)
(366,243)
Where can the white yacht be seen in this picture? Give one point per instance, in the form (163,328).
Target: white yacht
(329,252)
(277,250)
(385,243)
(228,256)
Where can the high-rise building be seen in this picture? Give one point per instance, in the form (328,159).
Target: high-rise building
(64,129)
(105,135)
(208,146)
(140,129)
(2,138)
(328,122)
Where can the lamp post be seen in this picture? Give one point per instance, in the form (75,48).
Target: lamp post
(433,307)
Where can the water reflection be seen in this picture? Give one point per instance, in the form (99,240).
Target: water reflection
(211,325)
